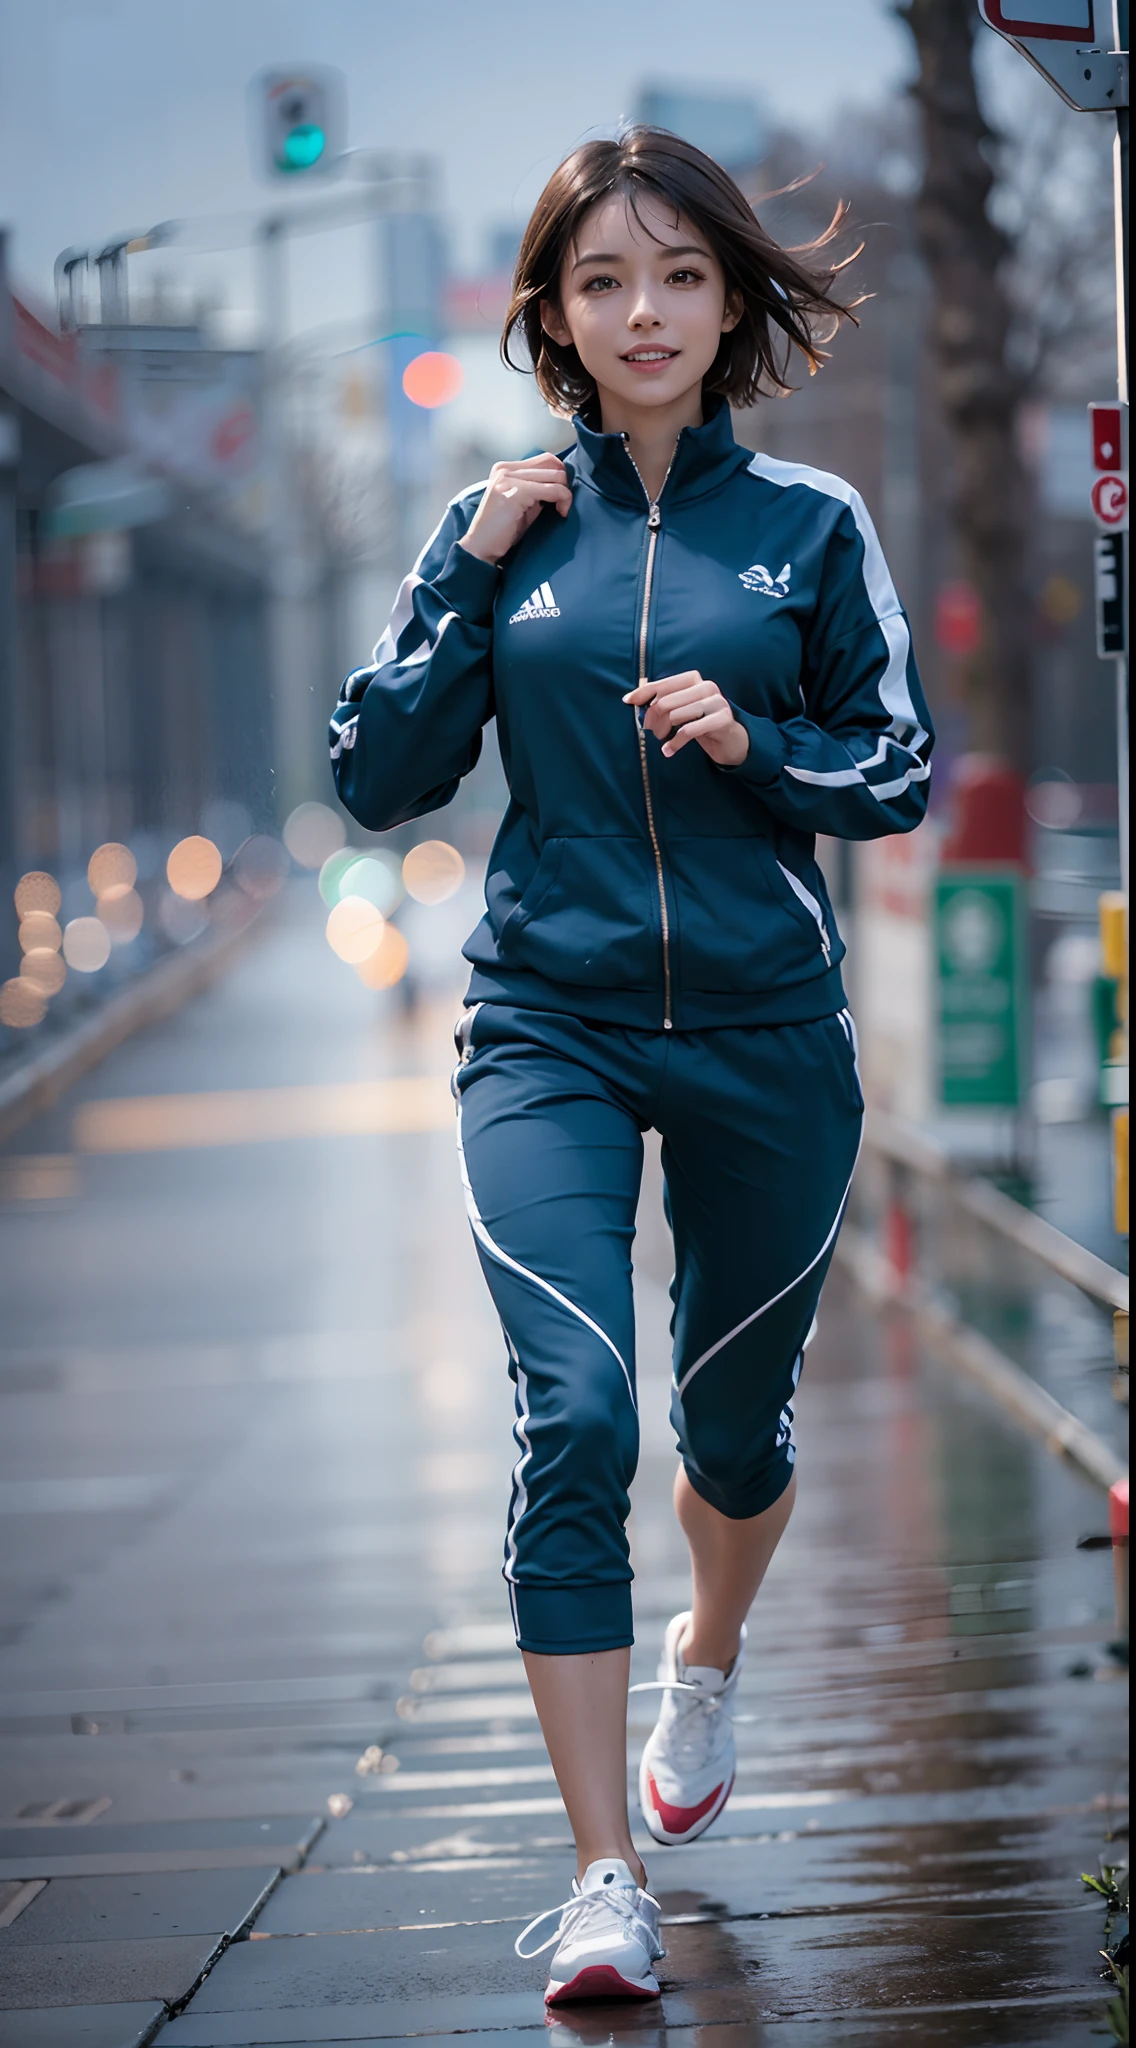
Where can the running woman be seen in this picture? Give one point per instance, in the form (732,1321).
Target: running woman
(697,661)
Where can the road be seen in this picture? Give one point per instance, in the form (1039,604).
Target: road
(252,1486)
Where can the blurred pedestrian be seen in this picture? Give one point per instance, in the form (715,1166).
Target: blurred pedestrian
(697,661)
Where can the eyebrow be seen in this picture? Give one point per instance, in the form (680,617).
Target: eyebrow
(665,249)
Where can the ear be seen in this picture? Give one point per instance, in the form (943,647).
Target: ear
(735,307)
(554,324)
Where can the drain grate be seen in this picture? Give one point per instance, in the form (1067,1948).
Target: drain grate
(45,1813)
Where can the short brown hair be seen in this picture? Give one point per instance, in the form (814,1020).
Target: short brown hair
(786,303)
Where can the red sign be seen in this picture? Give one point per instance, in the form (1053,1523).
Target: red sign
(958,619)
(1061,21)
(1108,446)
(1110,501)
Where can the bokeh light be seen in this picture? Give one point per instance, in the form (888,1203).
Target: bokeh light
(1054,800)
(37,891)
(86,945)
(312,834)
(182,918)
(120,910)
(433,871)
(354,929)
(111,867)
(193,869)
(376,878)
(21,1004)
(45,972)
(433,378)
(332,872)
(260,867)
(388,963)
(40,932)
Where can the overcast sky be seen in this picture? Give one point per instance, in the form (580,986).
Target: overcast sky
(118,113)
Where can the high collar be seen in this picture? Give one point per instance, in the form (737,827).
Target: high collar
(704,457)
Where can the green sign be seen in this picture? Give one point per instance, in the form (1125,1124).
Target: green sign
(982,987)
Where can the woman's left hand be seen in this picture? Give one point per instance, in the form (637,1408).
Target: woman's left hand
(687,707)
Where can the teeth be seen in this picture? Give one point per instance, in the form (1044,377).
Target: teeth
(656,355)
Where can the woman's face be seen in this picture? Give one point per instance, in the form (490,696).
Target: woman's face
(643,300)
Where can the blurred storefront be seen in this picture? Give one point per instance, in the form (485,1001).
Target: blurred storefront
(135,686)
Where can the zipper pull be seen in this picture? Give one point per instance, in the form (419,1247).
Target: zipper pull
(654,518)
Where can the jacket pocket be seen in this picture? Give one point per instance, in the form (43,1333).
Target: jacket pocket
(743,926)
(589,916)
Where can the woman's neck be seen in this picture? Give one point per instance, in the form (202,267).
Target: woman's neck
(651,432)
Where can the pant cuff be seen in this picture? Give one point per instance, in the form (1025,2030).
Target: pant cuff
(565,1621)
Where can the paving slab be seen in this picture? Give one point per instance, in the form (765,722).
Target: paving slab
(85,1972)
(789,1966)
(129,2025)
(279,1841)
(172,1904)
(696,2020)
(934,1868)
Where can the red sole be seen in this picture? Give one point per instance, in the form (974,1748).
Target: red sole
(677,1841)
(601,1981)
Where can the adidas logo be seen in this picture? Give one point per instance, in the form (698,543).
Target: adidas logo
(759,579)
(541,605)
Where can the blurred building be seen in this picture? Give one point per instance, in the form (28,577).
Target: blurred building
(134,678)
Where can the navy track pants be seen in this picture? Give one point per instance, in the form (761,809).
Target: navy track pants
(760,1127)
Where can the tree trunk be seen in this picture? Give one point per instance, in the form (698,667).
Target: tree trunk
(978,389)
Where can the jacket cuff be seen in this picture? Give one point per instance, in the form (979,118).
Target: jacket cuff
(468,585)
(768,750)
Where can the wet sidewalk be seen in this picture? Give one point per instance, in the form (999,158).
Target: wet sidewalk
(254,1469)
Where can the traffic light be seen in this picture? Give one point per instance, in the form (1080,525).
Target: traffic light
(298,121)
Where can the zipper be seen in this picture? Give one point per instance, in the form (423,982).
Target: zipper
(654,523)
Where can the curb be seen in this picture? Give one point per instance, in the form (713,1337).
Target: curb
(39,1082)
(1021,1397)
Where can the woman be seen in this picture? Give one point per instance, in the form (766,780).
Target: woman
(697,661)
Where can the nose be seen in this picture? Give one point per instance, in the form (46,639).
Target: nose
(643,312)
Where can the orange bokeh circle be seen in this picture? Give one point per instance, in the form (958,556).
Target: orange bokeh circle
(193,869)
(433,378)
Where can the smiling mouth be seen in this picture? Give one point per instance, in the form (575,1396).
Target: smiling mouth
(650,355)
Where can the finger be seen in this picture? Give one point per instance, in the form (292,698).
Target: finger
(675,700)
(508,487)
(666,712)
(531,492)
(533,465)
(714,721)
(688,679)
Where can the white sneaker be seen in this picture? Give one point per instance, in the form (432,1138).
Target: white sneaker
(687,1771)
(606,1941)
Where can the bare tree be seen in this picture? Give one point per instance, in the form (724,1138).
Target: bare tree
(980,385)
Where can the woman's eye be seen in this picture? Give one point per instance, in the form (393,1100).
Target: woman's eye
(685,277)
(600,284)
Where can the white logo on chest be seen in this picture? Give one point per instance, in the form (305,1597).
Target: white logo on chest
(541,605)
(759,579)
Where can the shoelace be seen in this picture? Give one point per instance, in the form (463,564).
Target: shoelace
(572,1913)
(711,1701)
(674,1685)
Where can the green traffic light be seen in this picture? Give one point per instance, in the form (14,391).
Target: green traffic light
(303,147)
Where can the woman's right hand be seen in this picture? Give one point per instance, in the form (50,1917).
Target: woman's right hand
(514,496)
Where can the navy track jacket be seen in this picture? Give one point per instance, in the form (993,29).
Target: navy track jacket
(623,886)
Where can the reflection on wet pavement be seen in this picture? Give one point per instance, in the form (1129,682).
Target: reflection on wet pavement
(281,1356)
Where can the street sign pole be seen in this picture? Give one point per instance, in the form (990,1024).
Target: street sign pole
(1081,47)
